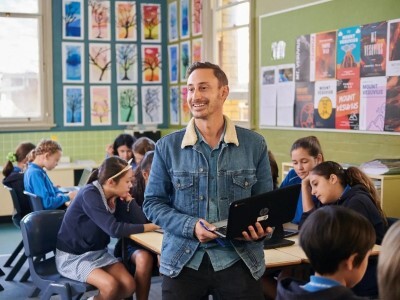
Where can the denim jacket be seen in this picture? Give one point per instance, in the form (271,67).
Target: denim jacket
(176,194)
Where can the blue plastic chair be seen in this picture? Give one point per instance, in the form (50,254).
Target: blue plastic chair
(35,201)
(39,233)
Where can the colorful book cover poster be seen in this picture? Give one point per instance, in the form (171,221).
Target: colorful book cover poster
(393,50)
(372,103)
(348,104)
(325,104)
(373,49)
(302,67)
(348,52)
(392,114)
(304,105)
(325,55)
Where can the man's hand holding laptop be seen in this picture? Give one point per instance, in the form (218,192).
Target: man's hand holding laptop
(205,232)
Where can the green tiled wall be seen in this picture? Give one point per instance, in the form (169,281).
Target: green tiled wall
(78,145)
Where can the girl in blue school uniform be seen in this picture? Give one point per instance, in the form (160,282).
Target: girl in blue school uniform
(306,153)
(14,176)
(46,155)
(351,188)
(89,221)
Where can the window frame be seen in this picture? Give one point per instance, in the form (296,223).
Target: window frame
(46,120)
(210,34)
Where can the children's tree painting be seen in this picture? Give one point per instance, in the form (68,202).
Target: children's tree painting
(151,23)
(125,20)
(151,64)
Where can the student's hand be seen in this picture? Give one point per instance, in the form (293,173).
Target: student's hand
(110,150)
(202,234)
(256,232)
(72,195)
(305,184)
(150,227)
(68,203)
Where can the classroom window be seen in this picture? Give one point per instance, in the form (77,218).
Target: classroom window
(231,51)
(25,65)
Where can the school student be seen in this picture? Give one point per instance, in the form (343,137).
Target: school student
(14,176)
(140,147)
(389,264)
(85,232)
(353,189)
(46,155)
(274,169)
(337,242)
(306,153)
(122,146)
(140,261)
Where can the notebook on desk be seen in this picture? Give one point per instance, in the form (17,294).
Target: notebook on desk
(270,209)
(82,181)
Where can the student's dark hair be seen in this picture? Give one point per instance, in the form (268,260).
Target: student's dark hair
(123,140)
(20,154)
(332,234)
(310,144)
(142,145)
(350,176)
(110,167)
(44,146)
(274,169)
(221,76)
(139,183)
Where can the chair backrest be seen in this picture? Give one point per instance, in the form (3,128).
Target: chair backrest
(35,201)
(17,214)
(39,231)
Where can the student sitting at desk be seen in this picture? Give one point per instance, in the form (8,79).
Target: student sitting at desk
(85,232)
(140,147)
(337,242)
(141,261)
(14,176)
(122,147)
(46,155)
(306,153)
(353,189)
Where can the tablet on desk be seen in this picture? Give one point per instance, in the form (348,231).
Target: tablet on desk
(271,209)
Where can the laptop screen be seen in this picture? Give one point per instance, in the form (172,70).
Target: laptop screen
(84,177)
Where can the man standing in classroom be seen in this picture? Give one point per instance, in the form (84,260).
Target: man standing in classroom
(196,173)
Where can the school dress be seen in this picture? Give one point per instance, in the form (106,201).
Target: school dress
(85,233)
(358,199)
(291,289)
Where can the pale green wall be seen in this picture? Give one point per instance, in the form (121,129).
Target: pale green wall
(342,147)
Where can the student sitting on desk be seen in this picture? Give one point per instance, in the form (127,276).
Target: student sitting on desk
(85,232)
(337,242)
(306,153)
(14,176)
(142,261)
(353,189)
(46,155)
(389,264)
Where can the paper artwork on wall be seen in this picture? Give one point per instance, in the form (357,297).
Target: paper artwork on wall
(99,20)
(73,19)
(152,104)
(126,63)
(127,105)
(73,62)
(125,21)
(100,105)
(99,63)
(74,105)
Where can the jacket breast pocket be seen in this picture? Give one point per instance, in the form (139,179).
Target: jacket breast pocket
(184,185)
(242,183)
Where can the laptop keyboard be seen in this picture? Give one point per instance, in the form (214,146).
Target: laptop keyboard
(222,229)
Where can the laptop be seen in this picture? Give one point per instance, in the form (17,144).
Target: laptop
(82,181)
(271,209)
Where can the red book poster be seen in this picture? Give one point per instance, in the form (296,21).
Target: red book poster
(348,104)
(348,52)
(393,49)
(325,55)
(392,114)
(304,105)
(302,66)
(373,49)
(325,104)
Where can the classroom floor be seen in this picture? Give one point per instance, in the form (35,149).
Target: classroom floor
(10,236)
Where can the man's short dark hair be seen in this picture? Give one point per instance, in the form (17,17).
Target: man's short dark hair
(221,76)
(332,234)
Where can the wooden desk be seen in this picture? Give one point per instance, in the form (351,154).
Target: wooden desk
(274,258)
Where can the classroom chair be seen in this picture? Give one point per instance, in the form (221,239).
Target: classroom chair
(16,218)
(35,201)
(39,233)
